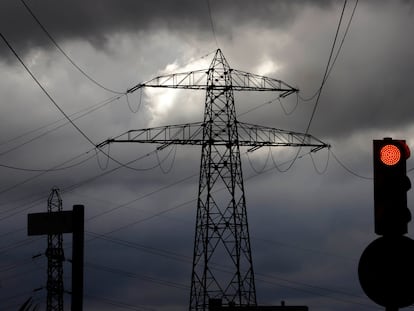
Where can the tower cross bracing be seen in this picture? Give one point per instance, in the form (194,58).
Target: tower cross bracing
(222,260)
(55,257)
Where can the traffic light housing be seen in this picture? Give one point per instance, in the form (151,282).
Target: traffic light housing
(390,187)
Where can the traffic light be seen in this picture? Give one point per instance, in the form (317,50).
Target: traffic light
(390,187)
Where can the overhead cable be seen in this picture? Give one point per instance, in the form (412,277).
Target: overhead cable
(64,53)
(336,56)
(326,70)
(212,23)
(323,82)
(348,169)
(58,107)
(82,113)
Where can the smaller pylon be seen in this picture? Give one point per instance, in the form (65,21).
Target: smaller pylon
(55,258)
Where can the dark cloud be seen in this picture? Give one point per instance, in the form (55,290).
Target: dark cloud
(94,21)
(308,225)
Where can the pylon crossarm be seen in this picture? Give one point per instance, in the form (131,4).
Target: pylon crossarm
(250,135)
(245,81)
(195,80)
(182,134)
(257,136)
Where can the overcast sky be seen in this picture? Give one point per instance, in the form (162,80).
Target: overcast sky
(308,224)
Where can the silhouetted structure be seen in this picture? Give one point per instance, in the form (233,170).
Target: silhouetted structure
(221,233)
(55,258)
(216,305)
(59,222)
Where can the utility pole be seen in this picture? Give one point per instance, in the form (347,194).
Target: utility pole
(55,258)
(221,232)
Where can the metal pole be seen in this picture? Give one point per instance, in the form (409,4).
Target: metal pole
(77,257)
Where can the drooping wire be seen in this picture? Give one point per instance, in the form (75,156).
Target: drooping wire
(290,162)
(336,55)
(129,244)
(259,171)
(166,171)
(104,166)
(322,83)
(83,112)
(48,170)
(322,171)
(41,173)
(60,109)
(139,103)
(288,113)
(88,111)
(326,70)
(44,90)
(27,206)
(348,169)
(64,53)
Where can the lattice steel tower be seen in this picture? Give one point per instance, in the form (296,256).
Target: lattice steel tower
(55,258)
(222,259)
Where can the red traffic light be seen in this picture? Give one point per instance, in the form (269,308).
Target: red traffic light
(392,151)
(390,154)
(390,186)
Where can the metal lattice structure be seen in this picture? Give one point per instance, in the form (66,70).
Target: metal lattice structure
(222,260)
(55,258)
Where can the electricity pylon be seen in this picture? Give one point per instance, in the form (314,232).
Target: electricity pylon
(222,259)
(55,258)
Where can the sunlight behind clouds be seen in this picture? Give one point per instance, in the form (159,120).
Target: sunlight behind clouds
(268,67)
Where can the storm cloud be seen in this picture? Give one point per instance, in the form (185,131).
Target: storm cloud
(309,222)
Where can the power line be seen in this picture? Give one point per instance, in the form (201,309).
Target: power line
(67,117)
(212,23)
(136,276)
(30,205)
(44,90)
(119,304)
(335,58)
(348,169)
(83,112)
(326,70)
(319,92)
(58,107)
(323,170)
(42,172)
(300,289)
(217,266)
(47,170)
(64,53)
(142,197)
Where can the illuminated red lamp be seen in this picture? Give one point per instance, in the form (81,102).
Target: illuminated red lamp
(390,155)
(390,186)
